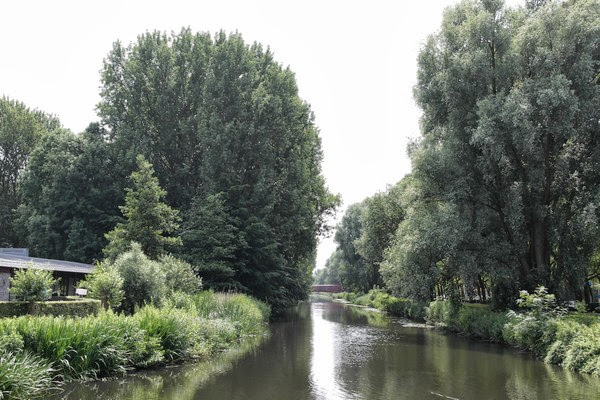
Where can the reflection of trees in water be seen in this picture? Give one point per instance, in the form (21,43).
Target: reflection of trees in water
(352,315)
(373,357)
(175,382)
(558,383)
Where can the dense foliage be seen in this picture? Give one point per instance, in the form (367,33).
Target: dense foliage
(222,123)
(72,307)
(144,281)
(21,129)
(505,185)
(203,141)
(509,151)
(32,284)
(69,196)
(105,283)
(363,235)
(37,351)
(148,220)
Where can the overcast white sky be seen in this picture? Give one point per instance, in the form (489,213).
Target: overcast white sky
(355,63)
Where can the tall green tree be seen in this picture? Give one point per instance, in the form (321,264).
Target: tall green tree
(331,273)
(210,240)
(217,116)
(509,140)
(69,196)
(21,129)
(148,220)
(381,215)
(352,271)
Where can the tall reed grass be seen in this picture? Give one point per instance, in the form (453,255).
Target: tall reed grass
(24,376)
(189,326)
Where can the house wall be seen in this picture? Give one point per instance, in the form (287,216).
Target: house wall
(4,285)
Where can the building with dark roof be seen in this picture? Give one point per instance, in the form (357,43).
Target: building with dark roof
(69,273)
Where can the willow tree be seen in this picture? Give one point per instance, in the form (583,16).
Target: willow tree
(218,117)
(510,101)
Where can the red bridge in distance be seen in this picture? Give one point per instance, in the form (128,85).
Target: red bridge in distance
(327,288)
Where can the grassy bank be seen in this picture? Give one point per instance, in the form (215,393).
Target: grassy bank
(38,352)
(382,301)
(569,340)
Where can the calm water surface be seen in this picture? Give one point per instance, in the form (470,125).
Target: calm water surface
(332,351)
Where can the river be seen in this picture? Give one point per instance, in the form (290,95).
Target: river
(327,350)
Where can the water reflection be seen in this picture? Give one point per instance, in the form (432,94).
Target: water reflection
(323,361)
(331,351)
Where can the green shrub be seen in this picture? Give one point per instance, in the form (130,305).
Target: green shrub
(73,308)
(13,308)
(24,376)
(143,279)
(77,348)
(559,335)
(583,351)
(32,284)
(217,333)
(11,342)
(179,275)
(397,306)
(347,296)
(109,344)
(247,315)
(181,300)
(105,283)
(207,305)
(364,300)
(439,312)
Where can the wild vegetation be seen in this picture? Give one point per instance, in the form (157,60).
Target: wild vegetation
(504,189)
(38,352)
(203,149)
(539,325)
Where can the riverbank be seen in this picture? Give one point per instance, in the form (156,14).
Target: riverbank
(327,350)
(38,353)
(568,340)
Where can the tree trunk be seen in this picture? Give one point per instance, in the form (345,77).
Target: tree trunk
(540,253)
(587,293)
(482,285)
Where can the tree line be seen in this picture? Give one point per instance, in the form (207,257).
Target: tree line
(203,149)
(504,189)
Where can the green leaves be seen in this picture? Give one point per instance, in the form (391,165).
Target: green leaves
(507,143)
(32,284)
(69,196)
(234,146)
(148,219)
(21,129)
(105,284)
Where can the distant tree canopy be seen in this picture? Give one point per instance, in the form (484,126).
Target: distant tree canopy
(505,184)
(21,129)
(69,197)
(222,126)
(364,233)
